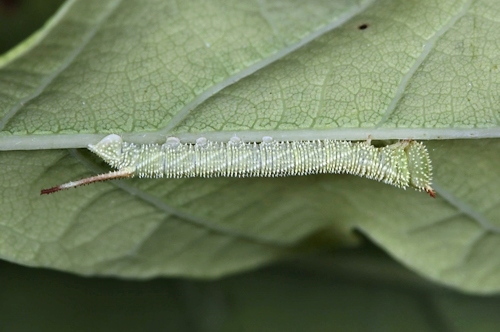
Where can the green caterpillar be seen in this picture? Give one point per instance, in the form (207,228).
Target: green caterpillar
(403,164)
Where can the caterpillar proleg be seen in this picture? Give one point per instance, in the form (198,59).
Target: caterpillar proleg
(403,164)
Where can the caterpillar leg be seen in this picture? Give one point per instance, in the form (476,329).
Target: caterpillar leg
(430,191)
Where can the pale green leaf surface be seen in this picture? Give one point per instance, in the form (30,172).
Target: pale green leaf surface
(149,69)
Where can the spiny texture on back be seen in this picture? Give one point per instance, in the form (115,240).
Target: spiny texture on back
(402,164)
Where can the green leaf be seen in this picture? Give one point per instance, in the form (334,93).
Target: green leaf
(291,70)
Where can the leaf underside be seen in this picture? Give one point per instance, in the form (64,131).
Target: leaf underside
(292,70)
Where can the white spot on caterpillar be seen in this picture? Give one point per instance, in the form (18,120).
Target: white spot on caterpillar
(403,164)
(267,139)
(235,140)
(202,141)
(173,142)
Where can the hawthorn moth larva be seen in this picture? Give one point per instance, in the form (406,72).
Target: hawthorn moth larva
(403,164)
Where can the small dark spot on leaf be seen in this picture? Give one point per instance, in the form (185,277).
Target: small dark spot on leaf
(363,26)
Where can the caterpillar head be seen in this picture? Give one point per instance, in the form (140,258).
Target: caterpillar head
(419,167)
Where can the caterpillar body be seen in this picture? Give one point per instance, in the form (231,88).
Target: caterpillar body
(403,164)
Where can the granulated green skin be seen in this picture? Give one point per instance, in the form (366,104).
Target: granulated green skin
(404,164)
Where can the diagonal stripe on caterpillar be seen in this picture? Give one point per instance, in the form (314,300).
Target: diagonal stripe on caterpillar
(403,164)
